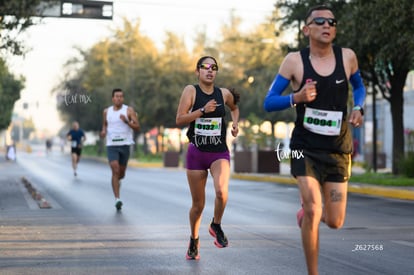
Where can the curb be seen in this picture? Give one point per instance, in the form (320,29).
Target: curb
(385,192)
(357,188)
(42,202)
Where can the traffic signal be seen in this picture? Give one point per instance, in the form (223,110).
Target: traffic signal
(76,9)
(86,9)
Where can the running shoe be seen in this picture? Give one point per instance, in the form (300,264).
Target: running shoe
(118,205)
(216,231)
(192,252)
(299,216)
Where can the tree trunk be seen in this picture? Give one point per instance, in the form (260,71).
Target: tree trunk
(397,111)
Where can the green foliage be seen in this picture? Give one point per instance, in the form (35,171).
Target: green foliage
(94,151)
(16,16)
(250,62)
(152,81)
(407,165)
(385,179)
(10,88)
(174,70)
(91,150)
(386,54)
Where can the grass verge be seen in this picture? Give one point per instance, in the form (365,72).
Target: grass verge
(384,179)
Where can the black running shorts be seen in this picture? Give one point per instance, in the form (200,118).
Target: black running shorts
(76,150)
(321,165)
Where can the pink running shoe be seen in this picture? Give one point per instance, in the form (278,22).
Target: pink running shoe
(220,240)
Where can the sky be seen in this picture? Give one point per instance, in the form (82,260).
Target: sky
(52,42)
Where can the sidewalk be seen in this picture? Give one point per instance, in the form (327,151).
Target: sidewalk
(11,186)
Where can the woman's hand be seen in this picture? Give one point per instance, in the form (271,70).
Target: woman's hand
(234,130)
(211,106)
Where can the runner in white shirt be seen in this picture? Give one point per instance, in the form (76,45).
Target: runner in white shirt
(119,122)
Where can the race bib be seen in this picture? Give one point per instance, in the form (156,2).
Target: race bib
(210,126)
(118,138)
(323,122)
(74,144)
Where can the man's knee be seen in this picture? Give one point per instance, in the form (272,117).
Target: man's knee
(313,213)
(121,173)
(115,169)
(334,222)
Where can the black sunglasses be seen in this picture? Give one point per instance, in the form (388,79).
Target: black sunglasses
(206,66)
(321,21)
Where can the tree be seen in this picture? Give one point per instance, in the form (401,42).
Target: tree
(174,71)
(10,88)
(152,80)
(125,60)
(386,54)
(16,16)
(250,62)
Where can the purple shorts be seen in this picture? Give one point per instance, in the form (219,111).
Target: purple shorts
(198,160)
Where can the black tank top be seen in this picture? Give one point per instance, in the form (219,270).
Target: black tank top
(213,121)
(333,96)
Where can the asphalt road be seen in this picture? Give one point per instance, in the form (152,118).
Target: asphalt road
(82,233)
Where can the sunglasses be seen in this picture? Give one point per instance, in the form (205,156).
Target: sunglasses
(206,66)
(320,21)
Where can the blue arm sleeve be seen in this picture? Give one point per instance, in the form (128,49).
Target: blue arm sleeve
(274,101)
(358,89)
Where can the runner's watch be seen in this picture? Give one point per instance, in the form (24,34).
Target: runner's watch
(358,108)
(203,110)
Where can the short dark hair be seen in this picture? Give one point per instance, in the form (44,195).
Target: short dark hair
(116,90)
(317,8)
(201,60)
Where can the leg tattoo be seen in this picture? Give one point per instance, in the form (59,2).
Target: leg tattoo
(335,196)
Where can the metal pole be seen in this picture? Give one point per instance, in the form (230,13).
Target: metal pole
(374,125)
